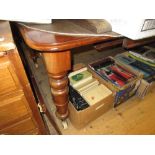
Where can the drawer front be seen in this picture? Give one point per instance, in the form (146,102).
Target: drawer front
(8,78)
(12,108)
(25,127)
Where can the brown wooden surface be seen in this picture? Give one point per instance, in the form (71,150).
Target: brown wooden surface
(25,126)
(17,102)
(58,64)
(6,40)
(12,108)
(8,79)
(16,98)
(108,44)
(20,72)
(128,43)
(44,41)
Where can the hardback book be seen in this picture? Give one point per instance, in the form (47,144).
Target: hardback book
(87,85)
(79,77)
(96,94)
(77,100)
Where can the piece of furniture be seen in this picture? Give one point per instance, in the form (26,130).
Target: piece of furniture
(56,51)
(19,112)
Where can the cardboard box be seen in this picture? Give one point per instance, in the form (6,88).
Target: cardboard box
(144,87)
(81,118)
(121,93)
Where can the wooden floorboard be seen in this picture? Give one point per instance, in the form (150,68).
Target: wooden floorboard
(132,117)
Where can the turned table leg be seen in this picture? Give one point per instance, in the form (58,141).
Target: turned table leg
(58,64)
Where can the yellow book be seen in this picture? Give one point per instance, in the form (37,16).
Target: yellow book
(96,94)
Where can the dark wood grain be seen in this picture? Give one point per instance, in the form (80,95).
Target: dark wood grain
(108,44)
(128,43)
(44,41)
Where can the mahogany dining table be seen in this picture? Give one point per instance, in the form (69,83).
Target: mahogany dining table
(56,52)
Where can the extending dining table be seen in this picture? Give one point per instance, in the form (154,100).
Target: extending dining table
(56,49)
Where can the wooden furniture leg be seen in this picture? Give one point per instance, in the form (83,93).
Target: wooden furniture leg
(57,65)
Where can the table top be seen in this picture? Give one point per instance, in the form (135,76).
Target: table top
(51,42)
(6,39)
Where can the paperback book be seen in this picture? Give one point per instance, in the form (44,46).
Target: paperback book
(96,94)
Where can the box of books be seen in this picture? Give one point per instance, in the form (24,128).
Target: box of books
(89,97)
(127,59)
(118,78)
(144,54)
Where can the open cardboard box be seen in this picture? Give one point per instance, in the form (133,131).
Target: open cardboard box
(81,118)
(121,93)
(144,87)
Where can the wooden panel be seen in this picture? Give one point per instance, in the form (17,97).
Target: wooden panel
(21,74)
(108,44)
(7,42)
(17,102)
(26,126)
(128,43)
(12,108)
(8,79)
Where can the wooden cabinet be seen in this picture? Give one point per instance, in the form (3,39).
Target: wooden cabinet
(10,82)
(13,107)
(19,113)
(26,126)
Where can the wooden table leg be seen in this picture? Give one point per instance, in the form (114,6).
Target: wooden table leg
(58,64)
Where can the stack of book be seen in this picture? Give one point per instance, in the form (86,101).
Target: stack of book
(144,54)
(118,78)
(141,66)
(112,72)
(89,88)
(137,60)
